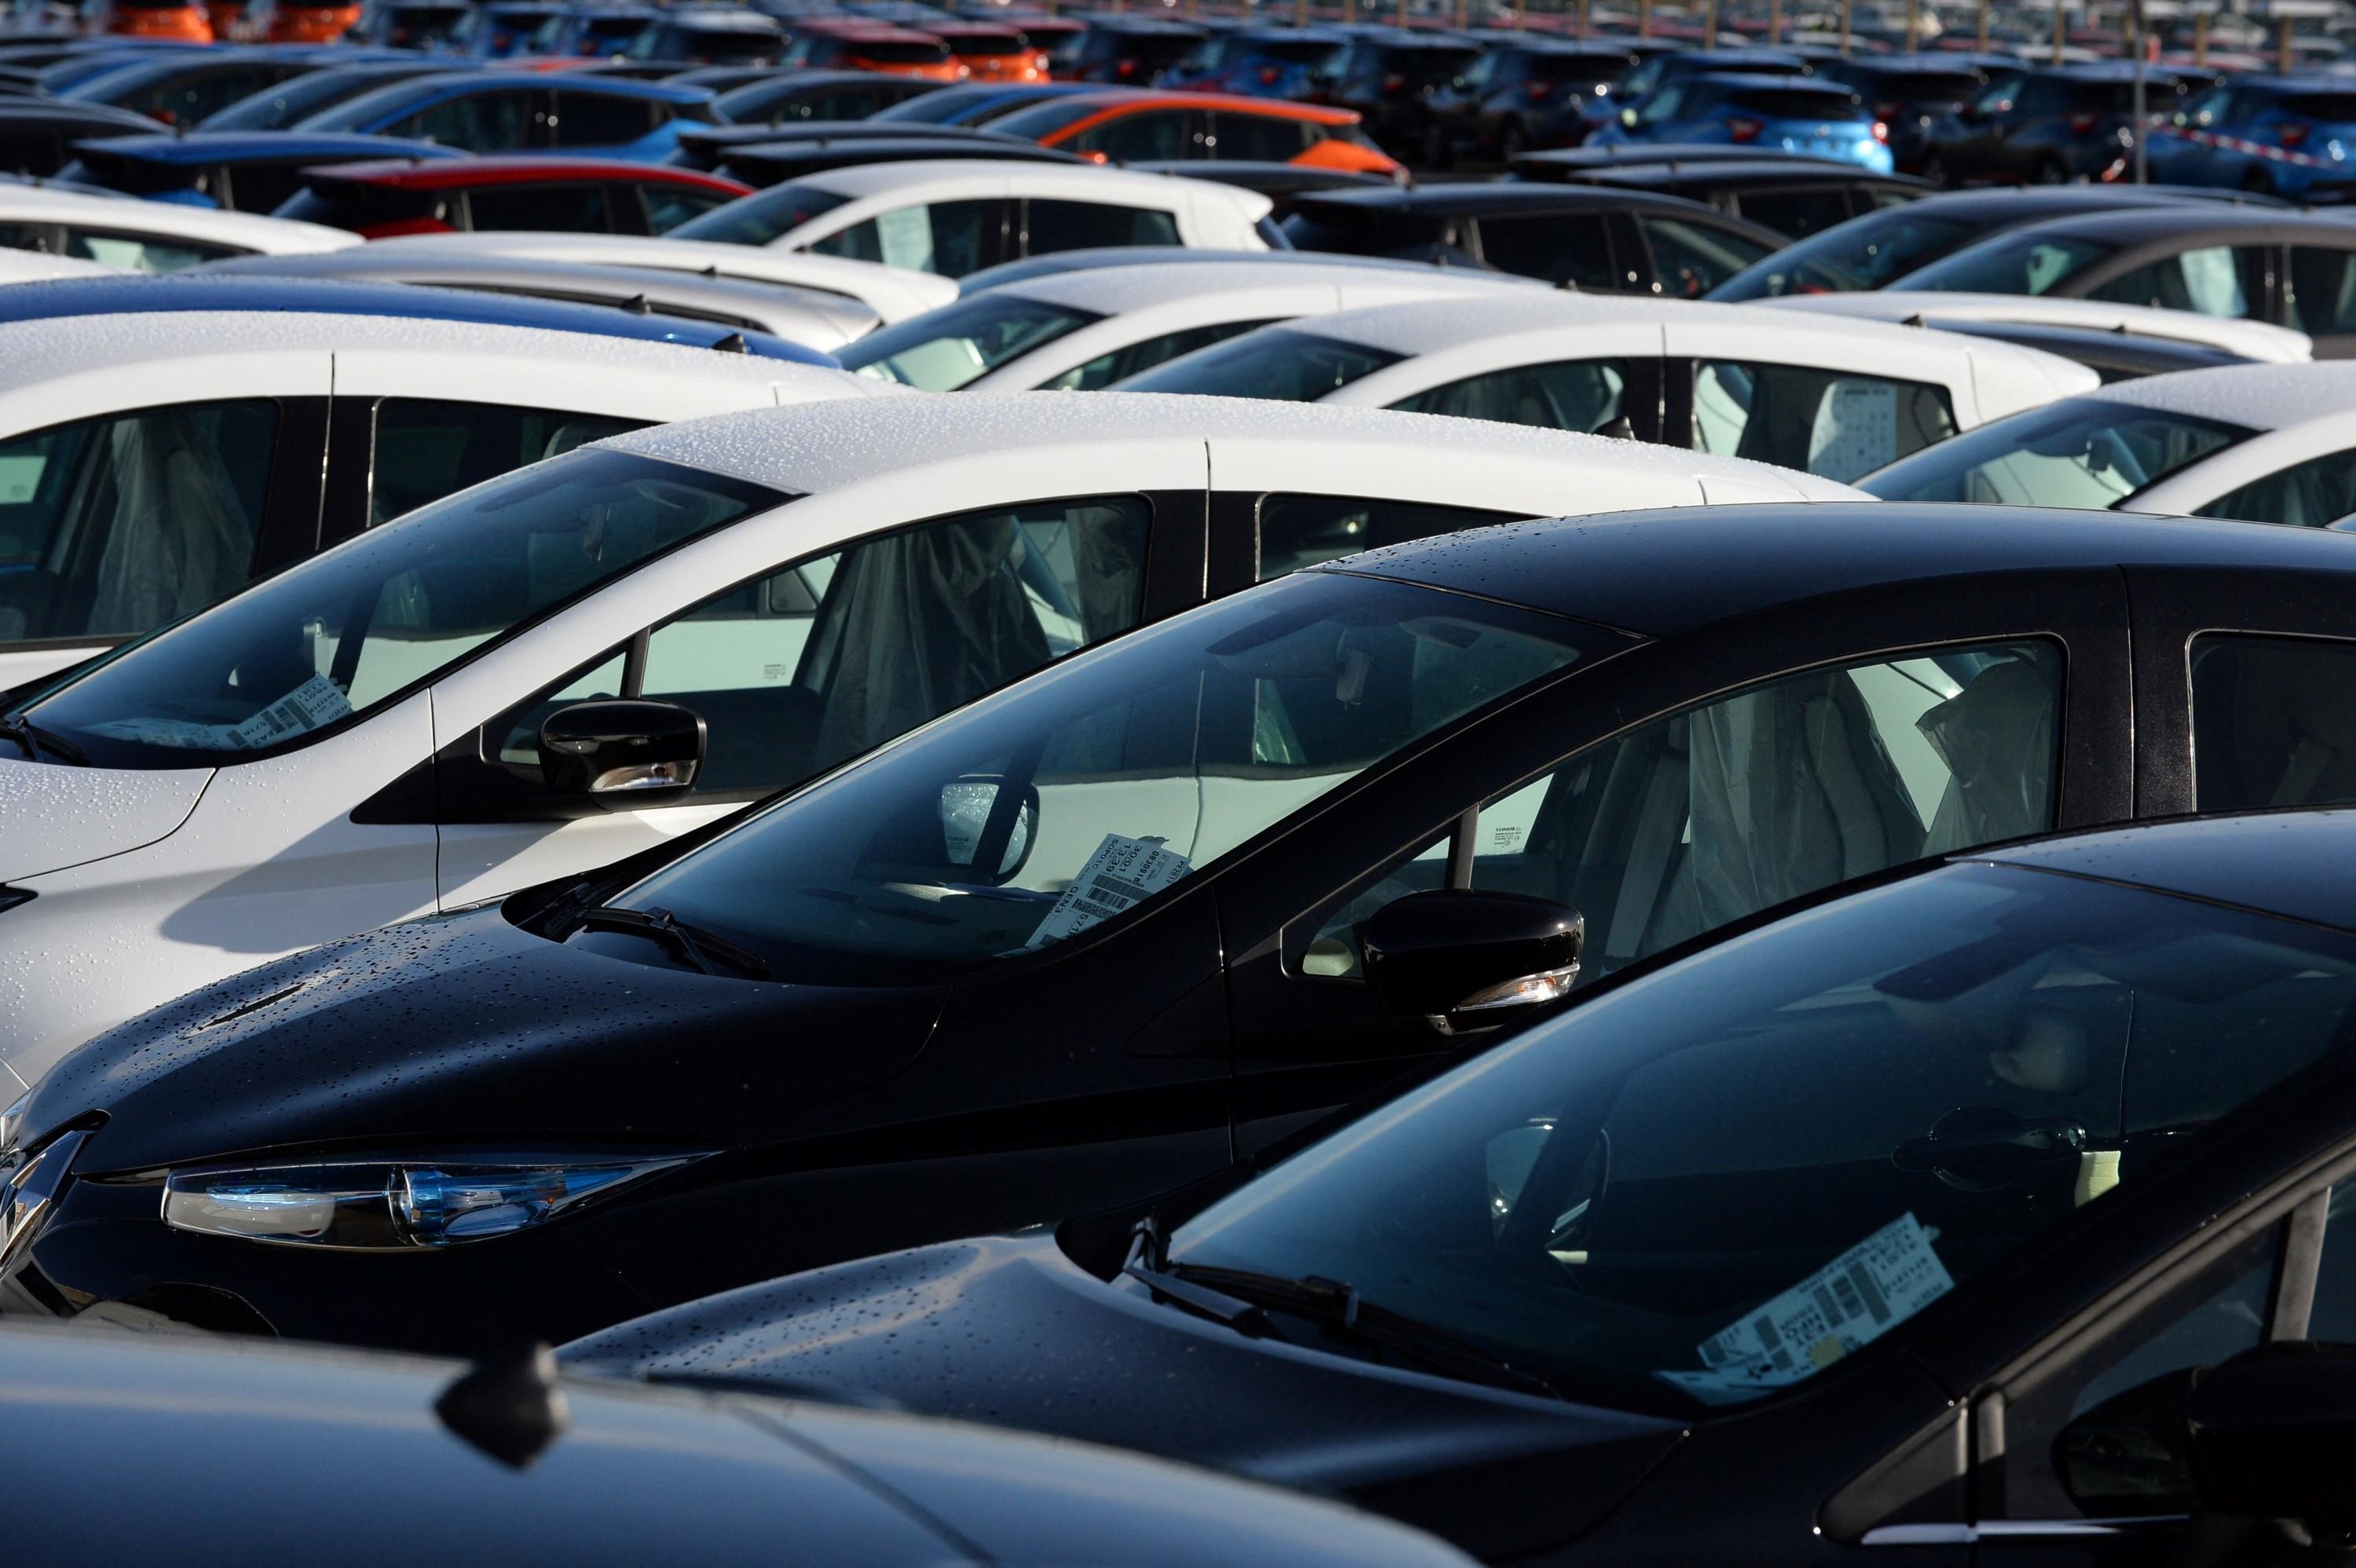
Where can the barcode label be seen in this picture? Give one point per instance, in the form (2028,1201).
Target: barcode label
(1122,873)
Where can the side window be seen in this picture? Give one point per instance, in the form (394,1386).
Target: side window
(1261,138)
(1836,426)
(1053,226)
(949,238)
(1798,213)
(1136,138)
(1661,105)
(668,207)
(598,120)
(2273,722)
(2213,281)
(112,527)
(1697,818)
(1584,395)
(1690,258)
(1302,530)
(143,252)
(264,187)
(2323,290)
(1139,357)
(1559,248)
(479,122)
(2311,495)
(583,209)
(426,449)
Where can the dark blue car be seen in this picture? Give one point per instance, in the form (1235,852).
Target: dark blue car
(1256,62)
(977,103)
(1655,71)
(2285,135)
(237,171)
(522,111)
(1815,119)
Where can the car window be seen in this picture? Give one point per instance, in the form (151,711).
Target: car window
(1261,138)
(1279,363)
(2009,265)
(669,205)
(1582,395)
(1865,254)
(767,215)
(2082,452)
(1827,423)
(2273,722)
(1798,213)
(265,187)
(2216,280)
(1137,358)
(141,252)
(1053,226)
(1689,259)
(1559,247)
(2311,495)
(477,121)
(1297,531)
(603,119)
(186,101)
(2323,290)
(1661,105)
(949,238)
(579,209)
(1689,822)
(425,449)
(1149,136)
(114,526)
(943,349)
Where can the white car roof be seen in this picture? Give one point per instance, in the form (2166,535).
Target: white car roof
(166,219)
(813,449)
(924,179)
(2256,340)
(34,266)
(894,294)
(2256,397)
(1118,290)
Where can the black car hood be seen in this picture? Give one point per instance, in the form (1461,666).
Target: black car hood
(462,1027)
(1009,1330)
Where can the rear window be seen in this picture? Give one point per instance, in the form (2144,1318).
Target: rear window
(1577,68)
(1960,88)
(987,44)
(898,51)
(2323,105)
(1425,65)
(1274,363)
(1363,231)
(759,218)
(1040,120)
(1300,51)
(1797,103)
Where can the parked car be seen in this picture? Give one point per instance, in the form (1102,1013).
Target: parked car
(2286,135)
(1254,62)
(1126,51)
(1085,330)
(1389,76)
(956,218)
(708,146)
(178,21)
(1745,382)
(969,104)
(1515,97)
(146,236)
(2240,341)
(504,30)
(718,35)
(592,28)
(562,195)
(276,107)
(234,171)
(992,53)
(1007,530)
(1131,126)
(1664,68)
(518,111)
(758,165)
(185,87)
(1795,196)
(585,1471)
(1816,120)
(36,136)
(788,96)
(890,51)
(1909,94)
(2068,123)
(1283,184)
(413,24)
(301,21)
(2295,270)
(1609,241)
(1940,1215)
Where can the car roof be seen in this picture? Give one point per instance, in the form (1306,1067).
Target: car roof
(18,112)
(2013,205)
(1095,257)
(36,203)
(446,174)
(571,81)
(1468,199)
(1664,573)
(1735,58)
(2136,225)
(2111,71)
(1759,171)
(1079,179)
(1116,291)
(207,147)
(1751,81)
(1110,98)
(2281,862)
(2257,397)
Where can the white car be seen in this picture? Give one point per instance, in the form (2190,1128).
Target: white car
(958,215)
(1082,331)
(1743,381)
(893,294)
(152,463)
(418,719)
(148,236)
(39,266)
(2254,340)
(2265,443)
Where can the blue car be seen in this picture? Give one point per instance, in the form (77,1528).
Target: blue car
(236,171)
(1256,62)
(592,31)
(526,112)
(1815,119)
(115,296)
(501,31)
(2284,135)
(1655,71)
(978,102)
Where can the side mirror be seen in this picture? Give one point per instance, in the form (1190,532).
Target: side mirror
(971,820)
(1468,960)
(2272,1436)
(645,753)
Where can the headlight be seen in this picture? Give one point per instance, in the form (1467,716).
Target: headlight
(391,1205)
(12,1125)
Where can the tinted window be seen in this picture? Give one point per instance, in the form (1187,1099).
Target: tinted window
(427,449)
(264,187)
(115,526)
(1690,257)
(1303,531)
(479,122)
(1054,226)
(1137,358)
(2274,722)
(1800,103)
(2323,290)
(1277,363)
(2338,107)
(1135,138)
(1262,138)
(1581,395)
(2310,494)
(2077,453)
(188,101)
(950,237)
(2010,265)
(598,120)
(1796,212)
(943,349)
(1561,248)
(762,217)
(2212,281)
(669,205)
(1865,254)
(565,209)
(1828,424)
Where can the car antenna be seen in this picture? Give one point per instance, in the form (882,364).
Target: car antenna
(734,344)
(636,306)
(509,1406)
(1914,320)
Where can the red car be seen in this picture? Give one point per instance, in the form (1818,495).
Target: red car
(992,53)
(574,196)
(1132,126)
(873,46)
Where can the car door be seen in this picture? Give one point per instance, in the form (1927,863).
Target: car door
(1638,793)
(1766,400)
(1570,250)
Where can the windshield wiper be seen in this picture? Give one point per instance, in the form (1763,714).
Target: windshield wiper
(697,946)
(34,741)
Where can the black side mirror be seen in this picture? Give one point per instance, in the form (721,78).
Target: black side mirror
(636,752)
(2274,1435)
(1468,960)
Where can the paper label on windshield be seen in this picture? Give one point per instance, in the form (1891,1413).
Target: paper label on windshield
(905,237)
(1123,871)
(314,702)
(1843,1306)
(1856,431)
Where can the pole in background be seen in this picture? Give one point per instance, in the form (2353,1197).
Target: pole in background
(1584,6)
(1710,24)
(2140,29)
(2201,37)
(2061,29)
(1774,22)
(1913,26)
(2283,58)
(1644,19)
(1843,34)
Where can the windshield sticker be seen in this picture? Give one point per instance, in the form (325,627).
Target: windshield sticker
(1123,871)
(1839,1309)
(314,702)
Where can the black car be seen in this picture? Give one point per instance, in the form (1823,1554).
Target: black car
(187,88)
(783,98)
(237,1454)
(1128,53)
(1389,76)
(1283,184)
(765,163)
(2068,123)
(1909,94)
(1987,1214)
(1530,93)
(975,980)
(38,135)
(2112,355)
(2292,269)
(1603,241)
(1794,196)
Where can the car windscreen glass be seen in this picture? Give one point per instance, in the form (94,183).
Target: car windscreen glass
(1709,1184)
(2082,452)
(760,218)
(278,106)
(1799,103)
(1920,88)
(1864,253)
(1081,792)
(943,349)
(1045,118)
(2340,108)
(336,636)
(2009,264)
(1276,363)
(941,108)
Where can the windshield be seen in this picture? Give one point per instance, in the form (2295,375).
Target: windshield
(344,631)
(2083,452)
(941,108)
(2009,264)
(943,349)
(762,217)
(1721,1178)
(1863,253)
(1799,104)
(277,107)
(1068,799)
(1275,363)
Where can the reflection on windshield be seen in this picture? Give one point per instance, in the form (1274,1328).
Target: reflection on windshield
(1274,363)
(1727,1176)
(1066,800)
(2083,453)
(943,349)
(344,630)
(2022,265)
(1865,254)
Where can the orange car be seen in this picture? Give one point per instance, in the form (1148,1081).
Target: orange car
(992,53)
(183,20)
(1138,125)
(311,21)
(872,46)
